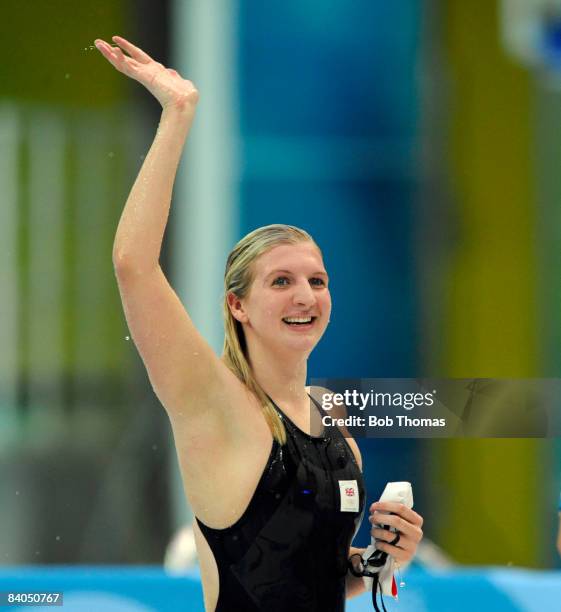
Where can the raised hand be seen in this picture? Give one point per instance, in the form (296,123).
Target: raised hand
(165,84)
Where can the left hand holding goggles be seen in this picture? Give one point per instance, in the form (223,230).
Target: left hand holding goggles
(374,566)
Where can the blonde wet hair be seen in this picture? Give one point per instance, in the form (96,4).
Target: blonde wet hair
(238,278)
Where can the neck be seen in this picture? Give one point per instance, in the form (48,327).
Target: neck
(282,377)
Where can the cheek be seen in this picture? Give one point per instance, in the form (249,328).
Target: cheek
(267,313)
(326,303)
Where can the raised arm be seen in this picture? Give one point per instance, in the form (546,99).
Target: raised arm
(183,370)
(141,228)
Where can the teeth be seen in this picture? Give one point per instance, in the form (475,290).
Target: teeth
(298,319)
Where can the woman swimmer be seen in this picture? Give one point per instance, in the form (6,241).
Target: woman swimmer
(266,485)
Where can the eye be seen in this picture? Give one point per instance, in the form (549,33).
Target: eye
(281,281)
(317,282)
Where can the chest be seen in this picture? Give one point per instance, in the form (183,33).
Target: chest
(324,477)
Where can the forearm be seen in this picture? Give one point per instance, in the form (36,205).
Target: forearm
(353,585)
(140,232)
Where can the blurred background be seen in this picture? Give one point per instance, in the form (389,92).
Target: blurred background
(419,142)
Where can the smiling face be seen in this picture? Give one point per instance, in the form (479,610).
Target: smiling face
(288,305)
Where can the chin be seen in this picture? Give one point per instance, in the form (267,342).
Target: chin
(303,344)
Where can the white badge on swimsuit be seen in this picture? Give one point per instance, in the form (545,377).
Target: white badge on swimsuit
(349,495)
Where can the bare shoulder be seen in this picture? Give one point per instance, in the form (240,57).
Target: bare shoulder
(321,394)
(223,419)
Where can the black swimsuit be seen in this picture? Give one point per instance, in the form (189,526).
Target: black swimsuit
(288,551)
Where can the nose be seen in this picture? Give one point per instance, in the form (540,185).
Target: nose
(304,295)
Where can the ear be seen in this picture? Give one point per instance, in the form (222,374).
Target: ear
(236,308)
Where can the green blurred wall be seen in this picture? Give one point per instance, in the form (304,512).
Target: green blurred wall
(71,108)
(43,56)
(487,489)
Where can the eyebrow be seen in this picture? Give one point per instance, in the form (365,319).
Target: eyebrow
(319,272)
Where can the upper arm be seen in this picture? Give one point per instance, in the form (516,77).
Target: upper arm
(338,412)
(183,369)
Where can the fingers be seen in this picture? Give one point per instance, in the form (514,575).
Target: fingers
(387,536)
(106,50)
(400,509)
(114,55)
(102,46)
(397,552)
(138,54)
(382,536)
(393,520)
(402,550)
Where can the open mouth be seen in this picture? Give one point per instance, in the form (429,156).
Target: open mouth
(299,321)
